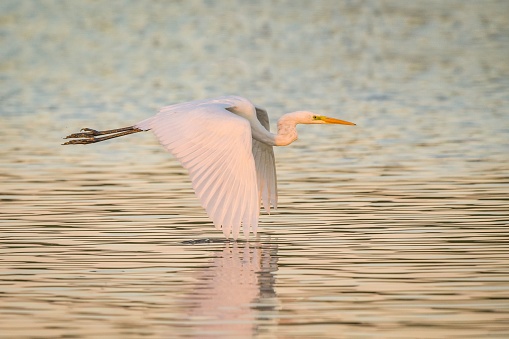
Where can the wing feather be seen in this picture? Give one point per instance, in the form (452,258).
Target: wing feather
(265,166)
(216,147)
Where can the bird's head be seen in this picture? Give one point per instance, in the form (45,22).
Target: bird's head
(304,117)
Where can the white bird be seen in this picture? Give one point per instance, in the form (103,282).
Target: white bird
(226,145)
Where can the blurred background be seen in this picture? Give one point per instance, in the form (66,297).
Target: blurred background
(427,74)
(409,205)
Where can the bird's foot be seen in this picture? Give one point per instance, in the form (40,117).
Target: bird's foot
(87,133)
(91,131)
(84,133)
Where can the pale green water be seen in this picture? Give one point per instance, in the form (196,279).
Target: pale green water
(397,228)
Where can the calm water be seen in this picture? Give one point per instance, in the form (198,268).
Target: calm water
(397,228)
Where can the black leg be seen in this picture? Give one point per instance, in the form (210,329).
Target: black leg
(89,136)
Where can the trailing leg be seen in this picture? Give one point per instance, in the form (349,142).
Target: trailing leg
(90,136)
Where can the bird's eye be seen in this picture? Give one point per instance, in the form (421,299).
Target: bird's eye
(314,117)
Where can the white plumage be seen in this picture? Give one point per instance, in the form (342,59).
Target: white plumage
(226,145)
(216,147)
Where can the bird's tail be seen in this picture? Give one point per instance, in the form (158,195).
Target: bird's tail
(145,125)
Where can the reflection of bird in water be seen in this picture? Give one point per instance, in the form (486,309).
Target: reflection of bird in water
(236,292)
(226,145)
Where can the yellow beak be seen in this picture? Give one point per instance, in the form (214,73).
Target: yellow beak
(335,121)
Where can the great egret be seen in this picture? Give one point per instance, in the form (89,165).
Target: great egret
(226,145)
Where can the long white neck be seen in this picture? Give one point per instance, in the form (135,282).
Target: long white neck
(286,131)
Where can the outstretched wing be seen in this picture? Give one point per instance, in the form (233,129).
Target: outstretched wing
(215,146)
(265,166)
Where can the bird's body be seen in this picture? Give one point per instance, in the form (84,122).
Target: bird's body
(226,145)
